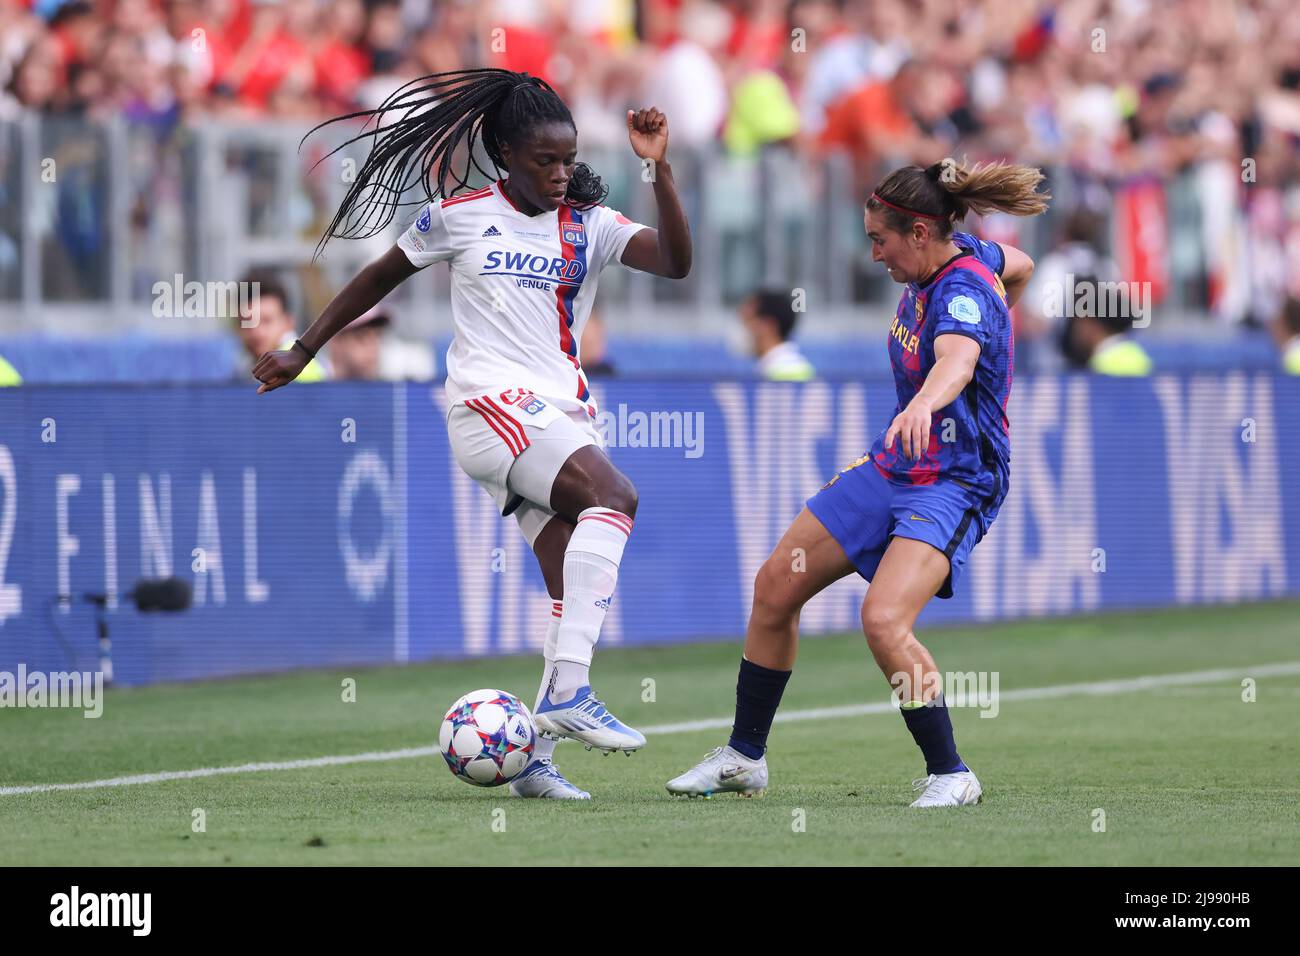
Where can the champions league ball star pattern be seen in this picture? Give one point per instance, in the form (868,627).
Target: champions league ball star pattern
(487,738)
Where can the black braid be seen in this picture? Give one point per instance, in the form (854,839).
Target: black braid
(420,126)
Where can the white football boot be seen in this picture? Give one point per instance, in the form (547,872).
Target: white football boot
(586,719)
(947,790)
(541,779)
(723,770)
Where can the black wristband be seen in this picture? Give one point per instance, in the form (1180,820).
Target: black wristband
(297,343)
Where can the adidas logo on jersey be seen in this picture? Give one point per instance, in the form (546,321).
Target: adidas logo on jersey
(491,231)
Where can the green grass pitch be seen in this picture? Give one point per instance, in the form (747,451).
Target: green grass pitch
(1185,775)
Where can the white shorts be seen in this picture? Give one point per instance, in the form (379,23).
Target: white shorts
(514,443)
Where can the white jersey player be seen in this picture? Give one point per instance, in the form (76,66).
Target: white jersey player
(525,254)
(521,289)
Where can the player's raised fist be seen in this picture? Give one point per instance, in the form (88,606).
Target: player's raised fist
(647,131)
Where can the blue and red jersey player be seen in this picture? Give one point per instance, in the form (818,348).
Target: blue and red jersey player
(949,494)
(907,513)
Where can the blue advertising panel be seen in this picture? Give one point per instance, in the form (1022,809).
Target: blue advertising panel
(328,524)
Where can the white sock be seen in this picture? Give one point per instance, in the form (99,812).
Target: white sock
(544,747)
(590,574)
(569,676)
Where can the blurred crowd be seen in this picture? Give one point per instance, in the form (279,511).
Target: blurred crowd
(1120,87)
(1119,97)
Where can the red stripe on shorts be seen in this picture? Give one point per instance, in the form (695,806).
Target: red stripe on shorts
(515,427)
(487,417)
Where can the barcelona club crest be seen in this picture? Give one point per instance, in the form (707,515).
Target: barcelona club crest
(573,234)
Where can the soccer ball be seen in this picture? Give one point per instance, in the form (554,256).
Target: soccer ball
(487,737)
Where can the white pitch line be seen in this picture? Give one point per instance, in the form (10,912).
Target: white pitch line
(1095,688)
(217,771)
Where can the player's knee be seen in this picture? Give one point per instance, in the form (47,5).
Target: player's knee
(621,497)
(616,493)
(883,624)
(775,597)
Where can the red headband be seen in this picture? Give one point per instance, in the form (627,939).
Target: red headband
(909,212)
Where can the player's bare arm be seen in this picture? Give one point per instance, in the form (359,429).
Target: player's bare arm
(665,251)
(954,367)
(366,289)
(1016,273)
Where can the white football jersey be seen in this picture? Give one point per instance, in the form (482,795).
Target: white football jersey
(521,289)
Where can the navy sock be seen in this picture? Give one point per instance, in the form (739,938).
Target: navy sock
(758,695)
(931,728)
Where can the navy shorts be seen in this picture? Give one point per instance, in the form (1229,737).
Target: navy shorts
(862,510)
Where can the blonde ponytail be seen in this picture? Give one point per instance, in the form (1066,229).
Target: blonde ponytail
(992,187)
(946,191)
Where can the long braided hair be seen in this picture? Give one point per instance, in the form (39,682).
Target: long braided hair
(416,132)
